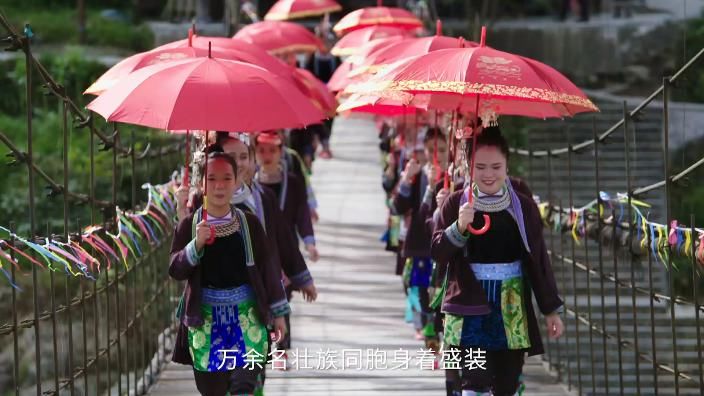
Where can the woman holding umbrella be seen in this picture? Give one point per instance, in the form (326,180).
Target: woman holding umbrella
(252,197)
(416,185)
(492,276)
(232,289)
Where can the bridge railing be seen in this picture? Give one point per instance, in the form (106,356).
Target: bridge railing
(610,188)
(86,294)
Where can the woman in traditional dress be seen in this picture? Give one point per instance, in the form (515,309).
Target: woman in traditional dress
(293,163)
(392,172)
(292,201)
(232,291)
(416,185)
(251,196)
(491,277)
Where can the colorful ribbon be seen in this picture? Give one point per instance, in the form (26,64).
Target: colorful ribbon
(133,228)
(652,236)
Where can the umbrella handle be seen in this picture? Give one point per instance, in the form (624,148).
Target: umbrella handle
(211,240)
(484,229)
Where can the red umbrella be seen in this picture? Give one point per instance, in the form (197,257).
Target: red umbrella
(258,56)
(204,42)
(360,97)
(410,47)
(503,83)
(489,81)
(370,16)
(206,93)
(209,94)
(293,9)
(339,79)
(135,62)
(353,42)
(343,75)
(361,103)
(373,47)
(280,37)
(316,91)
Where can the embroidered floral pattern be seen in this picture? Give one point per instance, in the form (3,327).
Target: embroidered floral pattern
(453,329)
(464,88)
(514,313)
(232,328)
(254,332)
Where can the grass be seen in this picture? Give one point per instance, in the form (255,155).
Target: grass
(58,25)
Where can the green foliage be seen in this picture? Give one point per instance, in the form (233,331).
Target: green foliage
(688,196)
(58,25)
(73,70)
(9,101)
(692,88)
(66,3)
(104,32)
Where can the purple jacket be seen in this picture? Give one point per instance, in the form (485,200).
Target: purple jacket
(264,278)
(464,294)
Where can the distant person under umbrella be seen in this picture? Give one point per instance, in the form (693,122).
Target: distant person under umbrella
(323,64)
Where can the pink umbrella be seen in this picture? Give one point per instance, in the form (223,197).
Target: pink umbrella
(410,47)
(503,83)
(486,82)
(360,103)
(135,62)
(353,42)
(339,79)
(316,90)
(370,16)
(280,37)
(373,47)
(222,44)
(202,42)
(343,75)
(206,93)
(294,9)
(361,97)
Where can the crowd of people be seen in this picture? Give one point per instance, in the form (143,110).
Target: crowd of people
(467,290)
(469,250)
(241,225)
(237,248)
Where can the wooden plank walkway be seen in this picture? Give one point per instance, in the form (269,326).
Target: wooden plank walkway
(361,302)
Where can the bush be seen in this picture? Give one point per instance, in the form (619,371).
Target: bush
(692,87)
(73,70)
(103,32)
(53,25)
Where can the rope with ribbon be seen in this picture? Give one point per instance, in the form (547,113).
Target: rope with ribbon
(650,236)
(86,253)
